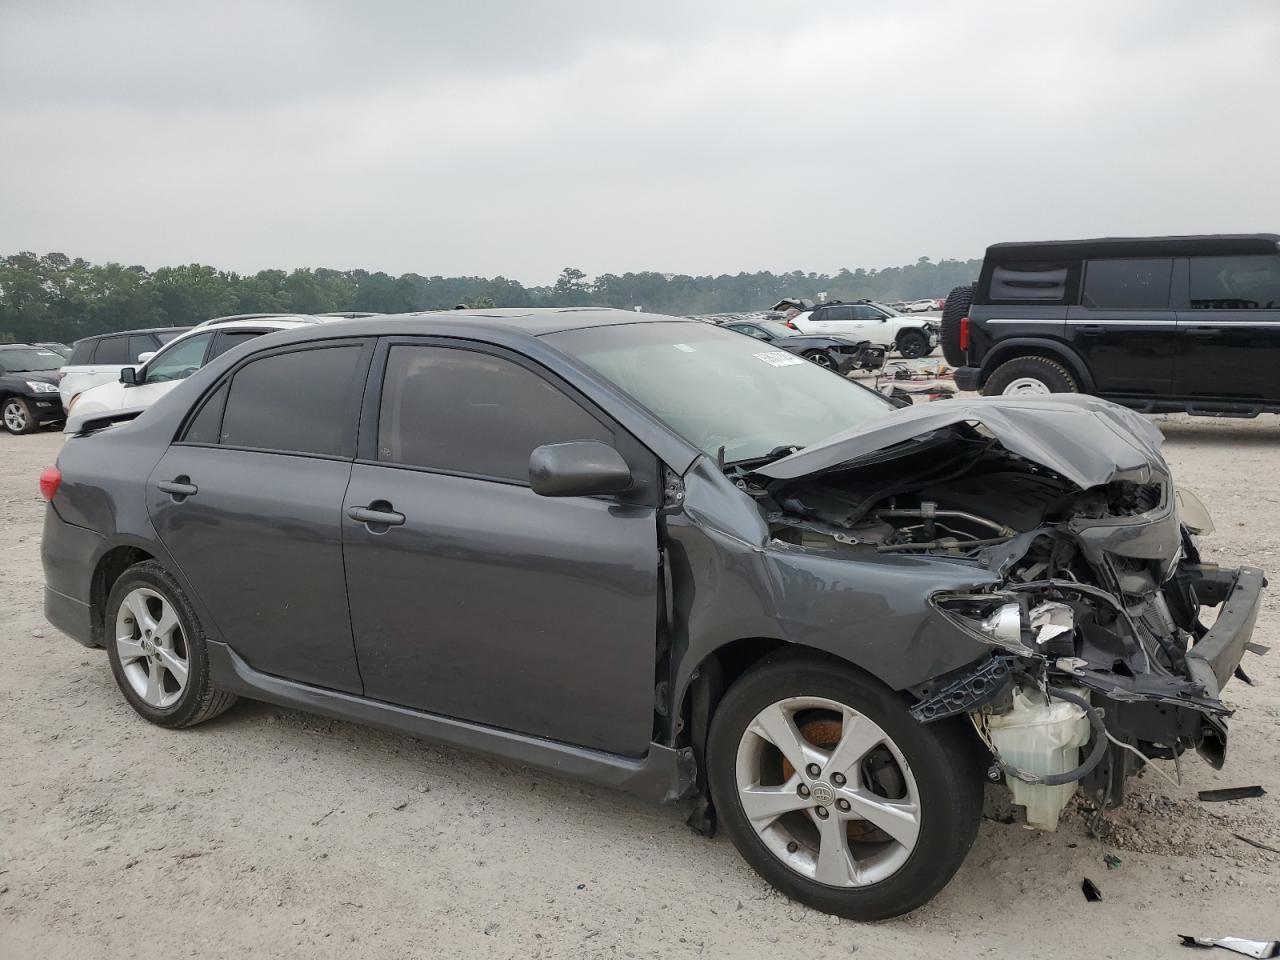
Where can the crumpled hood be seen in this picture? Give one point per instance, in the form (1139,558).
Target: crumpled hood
(1084,439)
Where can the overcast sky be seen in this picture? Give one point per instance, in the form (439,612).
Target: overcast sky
(517,137)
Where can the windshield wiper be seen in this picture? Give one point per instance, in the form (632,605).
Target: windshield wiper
(777,453)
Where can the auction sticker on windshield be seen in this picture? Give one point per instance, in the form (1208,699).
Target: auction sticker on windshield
(779,358)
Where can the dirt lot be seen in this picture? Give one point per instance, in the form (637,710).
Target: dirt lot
(273,833)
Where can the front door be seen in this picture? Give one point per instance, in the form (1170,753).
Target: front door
(248,504)
(473,597)
(1124,326)
(1229,329)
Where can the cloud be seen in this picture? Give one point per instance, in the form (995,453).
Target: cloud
(514,138)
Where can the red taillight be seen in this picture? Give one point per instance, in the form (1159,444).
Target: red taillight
(49,482)
(964,333)
(792,325)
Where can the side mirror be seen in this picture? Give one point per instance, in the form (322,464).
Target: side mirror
(144,357)
(579,468)
(129,376)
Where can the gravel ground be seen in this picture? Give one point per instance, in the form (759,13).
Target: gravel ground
(274,833)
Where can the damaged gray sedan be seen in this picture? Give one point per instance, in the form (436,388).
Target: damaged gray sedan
(659,556)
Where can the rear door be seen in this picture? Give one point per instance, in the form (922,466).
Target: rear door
(1228,343)
(483,600)
(1125,326)
(248,503)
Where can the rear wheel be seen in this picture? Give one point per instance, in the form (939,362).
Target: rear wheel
(157,649)
(835,795)
(821,358)
(913,344)
(17,416)
(957,307)
(1030,377)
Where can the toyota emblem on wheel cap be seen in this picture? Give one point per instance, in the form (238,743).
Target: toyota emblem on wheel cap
(823,794)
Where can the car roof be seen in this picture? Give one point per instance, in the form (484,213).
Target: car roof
(239,317)
(1215,244)
(532,322)
(125,333)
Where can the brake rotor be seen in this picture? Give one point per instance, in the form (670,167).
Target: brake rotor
(825,733)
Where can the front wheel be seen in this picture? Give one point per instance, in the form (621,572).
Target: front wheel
(835,794)
(1029,377)
(821,359)
(17,416)
(913,344)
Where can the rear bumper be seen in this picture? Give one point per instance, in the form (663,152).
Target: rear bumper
(69,615)
(968,378)
(1214,658)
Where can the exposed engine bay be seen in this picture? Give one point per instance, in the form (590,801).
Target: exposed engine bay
(1100,657)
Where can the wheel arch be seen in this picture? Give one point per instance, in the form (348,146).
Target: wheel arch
(1016,347)
(109,568)
(717,671)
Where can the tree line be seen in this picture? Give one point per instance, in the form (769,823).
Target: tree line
(53,297)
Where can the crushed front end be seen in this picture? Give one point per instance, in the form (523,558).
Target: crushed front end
(1100,654)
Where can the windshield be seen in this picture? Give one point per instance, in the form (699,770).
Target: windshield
(718,388)
(18,359)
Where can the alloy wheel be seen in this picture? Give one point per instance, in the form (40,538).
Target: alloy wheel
(15,416)
(828,792)
(152,647)
(1026,387)
(822,360)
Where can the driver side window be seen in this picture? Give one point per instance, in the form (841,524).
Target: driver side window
(179,361)
(865,312)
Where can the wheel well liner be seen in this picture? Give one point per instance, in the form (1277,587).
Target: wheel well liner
(111,565)
(1015,347)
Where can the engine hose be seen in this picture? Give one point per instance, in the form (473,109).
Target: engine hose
(1100,744)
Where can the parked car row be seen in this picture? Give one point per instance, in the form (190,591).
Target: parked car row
(917,306)
(867,320)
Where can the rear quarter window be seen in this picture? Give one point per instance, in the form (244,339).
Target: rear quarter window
(1023,282)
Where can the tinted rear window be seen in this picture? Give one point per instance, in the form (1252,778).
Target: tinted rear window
(1235,283)
(140,343)
(113,350)
(228,339)
(293,402)
(1131,284)
(83,353)
(1029,281)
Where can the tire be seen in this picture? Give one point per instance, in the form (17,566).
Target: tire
(821,358)
(942,780)
(958,302)
(913,344)
(157,693)
(17,417)
(1029,376)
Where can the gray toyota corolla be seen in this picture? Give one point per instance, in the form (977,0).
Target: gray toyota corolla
(661,556)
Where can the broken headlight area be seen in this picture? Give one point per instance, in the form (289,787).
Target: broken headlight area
(1100,661)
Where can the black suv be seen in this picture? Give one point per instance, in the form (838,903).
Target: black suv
(29,387)
(1159,324)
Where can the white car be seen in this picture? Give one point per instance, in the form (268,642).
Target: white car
(910,336)
(99,359)
(159,373)
(920,306)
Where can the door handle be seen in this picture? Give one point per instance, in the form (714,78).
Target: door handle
(1204,332)
(1090,329)
(179,488)
(377,513)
